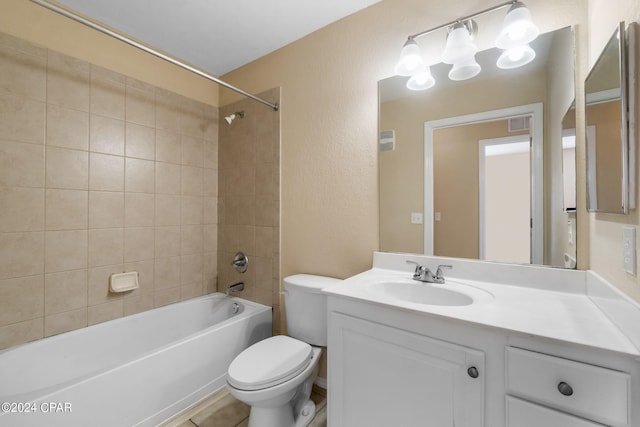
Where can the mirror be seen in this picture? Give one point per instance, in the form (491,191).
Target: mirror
(606,121)
(440,149)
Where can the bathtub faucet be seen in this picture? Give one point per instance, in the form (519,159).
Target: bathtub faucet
(236,287)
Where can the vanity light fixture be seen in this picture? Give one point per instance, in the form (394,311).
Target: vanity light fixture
(518,30)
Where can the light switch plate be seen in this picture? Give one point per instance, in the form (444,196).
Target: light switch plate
(629,249)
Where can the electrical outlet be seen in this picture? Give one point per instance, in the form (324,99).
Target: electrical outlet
(416,218)
(629,249)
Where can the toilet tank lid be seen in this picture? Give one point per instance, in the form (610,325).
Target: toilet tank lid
(309,282)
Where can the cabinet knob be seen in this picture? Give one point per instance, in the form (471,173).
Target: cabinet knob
(565,389)
(473,372)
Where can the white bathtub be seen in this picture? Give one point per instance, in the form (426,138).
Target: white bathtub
(135,371)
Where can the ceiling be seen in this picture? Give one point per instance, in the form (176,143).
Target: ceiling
(215,35)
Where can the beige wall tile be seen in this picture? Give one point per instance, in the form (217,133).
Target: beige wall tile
(168,178)
(166,296)
(21,299)
(247,239)
(106,135)
(264,272)
(210,272)
(192,180)
(210,183)
(67,169)
(22,209)
(167,241)
(192,119)
(106,247)
(67,209)
(264,211)
(140,103)
(192,210)
(264,242)
(98,284)
(191,290)
(23,73)
(210,123)
(107,93)
(140,142)
(21,164)
(138,304)
(21,254)
(65,291)
(106,209)
(68,81)
(20,333)
(192,151)
(146,277)
(210,237)
(10,43)
(22,119)
(191,269)
(167,272)
(264,179)
(139,244)
(139,210)
(211,154)
(65,322)
(168,147)
(210,210)
(67,128)
(107,172)
(139,176)
(105,312)
(191,241)
(167,209)
(167,111)
(65,250)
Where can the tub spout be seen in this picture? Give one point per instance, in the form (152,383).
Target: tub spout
(236,287)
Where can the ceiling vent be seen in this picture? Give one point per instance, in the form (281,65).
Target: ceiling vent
(519,124)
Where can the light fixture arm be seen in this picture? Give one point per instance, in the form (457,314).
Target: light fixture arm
(463,19)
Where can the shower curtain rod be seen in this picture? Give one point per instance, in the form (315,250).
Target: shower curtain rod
(148,49)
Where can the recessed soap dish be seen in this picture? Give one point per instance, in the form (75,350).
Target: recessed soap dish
(123,282)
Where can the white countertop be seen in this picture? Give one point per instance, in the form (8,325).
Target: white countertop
(569,316)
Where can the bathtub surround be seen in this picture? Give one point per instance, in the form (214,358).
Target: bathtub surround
(99,174)
(249,200)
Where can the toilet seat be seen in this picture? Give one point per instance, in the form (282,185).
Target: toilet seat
(269,362)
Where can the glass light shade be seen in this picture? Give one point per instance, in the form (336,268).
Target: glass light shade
(517,29)
(465,69)
(516,57)
(410,61)
(422,80)
(459,45)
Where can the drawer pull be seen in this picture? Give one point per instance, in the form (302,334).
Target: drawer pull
(565,389)
(473,372)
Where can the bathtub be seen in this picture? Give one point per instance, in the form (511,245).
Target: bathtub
(139,370)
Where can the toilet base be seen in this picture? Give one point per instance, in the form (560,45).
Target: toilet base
(282,416)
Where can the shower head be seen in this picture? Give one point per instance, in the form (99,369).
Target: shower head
(232,117)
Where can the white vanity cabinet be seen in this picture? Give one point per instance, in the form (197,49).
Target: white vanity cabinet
(384,376)
(593,393)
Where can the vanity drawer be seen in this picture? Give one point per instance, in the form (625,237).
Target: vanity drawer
(524,414)
(586,390)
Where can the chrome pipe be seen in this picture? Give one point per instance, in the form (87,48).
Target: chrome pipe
(147,49)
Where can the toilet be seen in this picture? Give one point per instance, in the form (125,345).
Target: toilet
(275,376)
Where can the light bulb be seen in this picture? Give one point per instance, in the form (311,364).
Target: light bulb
(518,28)
(422,80)
(516,57)
(410,60)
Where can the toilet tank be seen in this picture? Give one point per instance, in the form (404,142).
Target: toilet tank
(306,307)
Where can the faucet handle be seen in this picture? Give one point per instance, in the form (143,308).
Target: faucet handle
(419,268)
(440,267)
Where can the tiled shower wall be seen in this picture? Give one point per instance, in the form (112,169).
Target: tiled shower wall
(249,200)
(99,174)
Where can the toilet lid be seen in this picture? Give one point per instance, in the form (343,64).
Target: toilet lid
(269,362)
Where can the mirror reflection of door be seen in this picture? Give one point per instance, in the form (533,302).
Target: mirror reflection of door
(505,199)
(482,192)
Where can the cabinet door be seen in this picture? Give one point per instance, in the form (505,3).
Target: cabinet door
(524,414)
(382,376)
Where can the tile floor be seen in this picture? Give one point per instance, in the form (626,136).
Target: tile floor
(226,411)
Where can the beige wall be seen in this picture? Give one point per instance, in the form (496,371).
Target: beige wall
(28,21)
(99,174)
(606,229)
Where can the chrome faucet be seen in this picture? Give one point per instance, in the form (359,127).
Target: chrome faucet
(236,287)
(423,274)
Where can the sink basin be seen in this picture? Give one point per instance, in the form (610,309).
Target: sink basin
(412,291)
